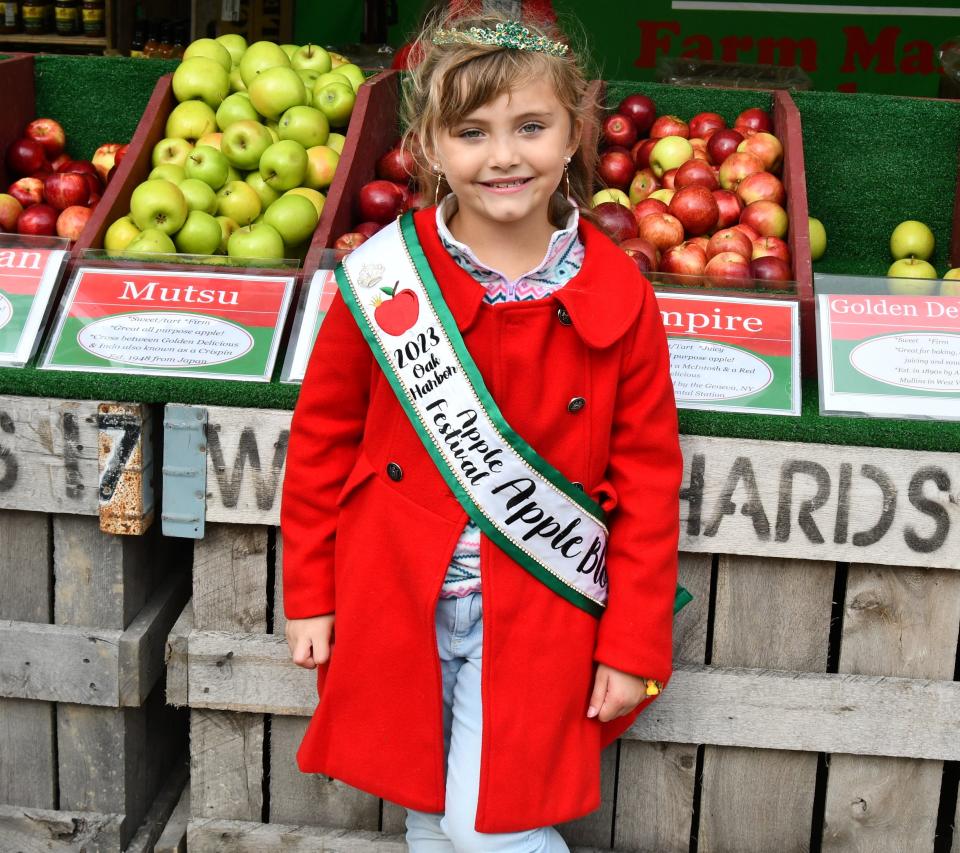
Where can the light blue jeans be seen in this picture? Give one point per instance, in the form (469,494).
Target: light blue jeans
(460,643)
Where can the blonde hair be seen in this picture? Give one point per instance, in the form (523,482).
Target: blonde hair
(450,81)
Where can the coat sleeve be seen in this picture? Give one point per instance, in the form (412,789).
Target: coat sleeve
(636,629)
(325,436)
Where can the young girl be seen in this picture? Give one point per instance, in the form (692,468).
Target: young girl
(483,471)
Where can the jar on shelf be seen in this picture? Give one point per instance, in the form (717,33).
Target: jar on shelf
(35,21)
(92,16)
(139,40)
(9,17)
(67,14)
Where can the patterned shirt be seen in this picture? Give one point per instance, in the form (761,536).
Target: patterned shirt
(562,261)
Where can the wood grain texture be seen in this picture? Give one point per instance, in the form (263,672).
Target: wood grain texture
(900,622)
(226,765)
(46,831)
(230,579)
(656,780)
(175,657)
(312,798)
(173,838)
(769,613)
(159,815)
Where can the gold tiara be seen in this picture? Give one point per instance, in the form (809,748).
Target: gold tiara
(511,34)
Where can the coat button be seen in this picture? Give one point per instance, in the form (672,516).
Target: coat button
(577,485)
(576,404)
(563,316)
(394,472)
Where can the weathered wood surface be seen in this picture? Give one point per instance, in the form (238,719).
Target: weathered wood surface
(28,765)
(173,839)
(159,820)
(45,831)
(900,622)
(768,613)
(175,657)
(230,579)
(764,498)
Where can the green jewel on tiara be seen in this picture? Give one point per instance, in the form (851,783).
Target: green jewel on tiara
(511,34)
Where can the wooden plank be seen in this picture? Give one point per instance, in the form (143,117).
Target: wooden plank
(769,613)
(173,839)
(656,780)
(230,579)
(175,657)
(158,817)
(48,455)
(312,798)
(900,622)
(45,831)
(226,765)
(28,769)
(393,818)
(856,504)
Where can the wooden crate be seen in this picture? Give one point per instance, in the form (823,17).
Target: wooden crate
(19,99)
(813,699)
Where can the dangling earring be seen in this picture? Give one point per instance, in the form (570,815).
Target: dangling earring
(566,174)
(436,188)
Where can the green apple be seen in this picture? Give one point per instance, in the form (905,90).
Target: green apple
(670,152)
(168,172)
(330,77)
(234,174)
(199,195)
(120,235)
(170,150)
(211,49)
(227,227)
(268,195)
(335,101)
(236,107)
(272,128)
(663,194)
(912,276)
(818,239)
(244,143)
(239,201)
(290,49)
(211,139)
(158,204)
(911,239)
(952,274)
(951,287)
(275,90)
(619,196)
(235,44)
(191,120)
(337,59)
(305,125)
(309,78)
(199,235)
(260,56)
(315,198)
(336,141)
(353,74)
(256,241)
(311,57)
(151,241)
(284,165)
(208,165)
(203,79)
(236,81)
(321,164)
(294,217)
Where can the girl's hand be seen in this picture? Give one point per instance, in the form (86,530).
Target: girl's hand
(615,693)
(309,640)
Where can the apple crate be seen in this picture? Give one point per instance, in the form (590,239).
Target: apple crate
(687,102)
(19,104)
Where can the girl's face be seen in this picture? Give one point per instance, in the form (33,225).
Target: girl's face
(506,159)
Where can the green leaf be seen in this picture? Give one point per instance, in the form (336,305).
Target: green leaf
(387,290)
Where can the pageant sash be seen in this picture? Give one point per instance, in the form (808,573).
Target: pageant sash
(518,499)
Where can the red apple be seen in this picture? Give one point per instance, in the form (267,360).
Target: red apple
(81,167)
(767,218)
(349,241)
(752,234)
(727,268)
(644,182)
(57,163)
(619,130)
(368,229)
(772,247)
(40,219)
(696,208)
(770,269)
(622,149)
(397,165)
(72,220)
(49,134)
(104,158)
(755,119)
(736,167)
(761,186)
(380,201)
(730,207)
(695,173)
(647,207)
(405,196)
(661,229)
(616,169)
(41,174)
(640,109)
(730,240)
(686,259)
(10,209)
(722,144)
(766,148)
(617,220)
(26,156)
(398,313)
(120,154)
(642,262)
(641,153)
(703,123)
(702,242)
(639,246)
(93,200)
(669,126)
(699,147)
(668,178)
(66,189)
(27,191)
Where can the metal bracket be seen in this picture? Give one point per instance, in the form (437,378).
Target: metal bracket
(184,471)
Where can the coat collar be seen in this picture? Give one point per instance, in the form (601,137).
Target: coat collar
(603,299)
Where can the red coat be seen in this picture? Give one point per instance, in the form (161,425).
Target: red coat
(373,546)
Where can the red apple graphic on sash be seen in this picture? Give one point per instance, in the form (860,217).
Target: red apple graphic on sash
(398,313)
